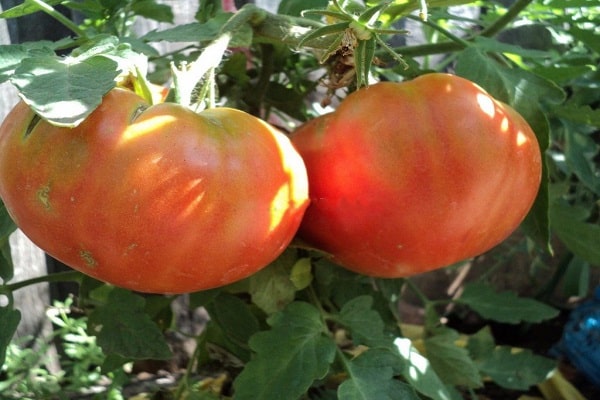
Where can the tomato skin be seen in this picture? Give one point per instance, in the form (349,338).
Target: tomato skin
(154,198)
(409,177)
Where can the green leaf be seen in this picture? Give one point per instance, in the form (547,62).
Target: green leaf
(295,7)
(364,324)
(580,237)
(9,320)
(202,32)
(504,307)
(371,14)
(289,356)
(202,298)
(417,371)
(233,316)
(481,344)
(25,8)
(333,29)
(517,370)
(271,288)
(587,36)
(404,7)
(7,227)
(562,74)
(152,10)
(121,326)
(12,55)
(451,362)
(371,376)
(192,32)
(301,275)
(65,91)
(580,152)
(578,114)
(576,282)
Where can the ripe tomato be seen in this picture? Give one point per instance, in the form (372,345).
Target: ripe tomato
(154,198)
(414,176)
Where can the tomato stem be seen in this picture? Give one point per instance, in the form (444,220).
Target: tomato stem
(48,9)
(186,78)
(66,276)
(453,45)
(415,289)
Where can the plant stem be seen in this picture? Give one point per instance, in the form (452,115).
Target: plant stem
(48,9)
(514,10)
(417,291)
(66,276)
(451,46)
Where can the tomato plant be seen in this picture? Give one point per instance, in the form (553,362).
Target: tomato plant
(154,198)
(414,176)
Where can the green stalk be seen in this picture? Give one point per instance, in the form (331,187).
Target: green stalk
(66,276)
(452,46)
(48,9)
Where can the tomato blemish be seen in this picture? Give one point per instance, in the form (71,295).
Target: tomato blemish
(87,257)
(43,195)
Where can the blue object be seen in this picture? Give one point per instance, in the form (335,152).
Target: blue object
(580,342)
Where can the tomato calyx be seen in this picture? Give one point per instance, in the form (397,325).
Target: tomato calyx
(353,48)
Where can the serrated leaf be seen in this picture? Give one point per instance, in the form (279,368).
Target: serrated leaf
(481,344)
(289,356)
(9,320)
(64,91)
(521,89)
(419,373)
(271,289)
(451,362)
(202,32)
(405,7)
(12,55)
(152,10)
(121,326)
(588,36)
(202,298)
(493,45)
(371,376)
(504,307)
(580,152)
(192,32)
(517,370)
(296,7)
(580,237)
(581,114)
(364,324)
(233,316)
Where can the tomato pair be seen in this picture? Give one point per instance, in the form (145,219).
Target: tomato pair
(402,178)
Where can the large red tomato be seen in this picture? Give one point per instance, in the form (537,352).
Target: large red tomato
(409,177)
(155,199)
